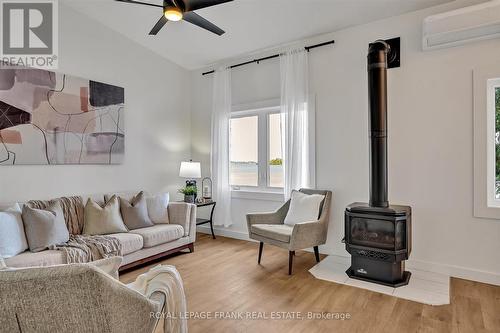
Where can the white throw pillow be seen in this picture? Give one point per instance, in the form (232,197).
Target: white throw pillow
(157,208)
(303,207)
(109,265)
(2,263)
(12,237)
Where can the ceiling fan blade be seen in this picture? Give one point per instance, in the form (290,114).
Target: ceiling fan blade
(199,4)
(161,22)
(140,3)
(196,19)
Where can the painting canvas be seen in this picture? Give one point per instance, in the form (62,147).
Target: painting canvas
(52,118)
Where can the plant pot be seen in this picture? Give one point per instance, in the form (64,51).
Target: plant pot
(189,198)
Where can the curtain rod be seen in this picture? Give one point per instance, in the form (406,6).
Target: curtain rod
(307,48)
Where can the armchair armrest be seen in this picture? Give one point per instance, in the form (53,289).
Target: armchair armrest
(308,234)
(276,217)
(183,214)
(159,299)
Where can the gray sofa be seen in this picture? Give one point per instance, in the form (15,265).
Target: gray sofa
(138,246)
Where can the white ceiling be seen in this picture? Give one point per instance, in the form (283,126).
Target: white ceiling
(250,25)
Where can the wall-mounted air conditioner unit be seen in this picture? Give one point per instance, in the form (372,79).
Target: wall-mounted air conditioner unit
(462,26)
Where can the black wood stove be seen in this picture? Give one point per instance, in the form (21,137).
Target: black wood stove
(378,235)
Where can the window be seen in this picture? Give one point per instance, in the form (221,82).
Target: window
(243,152)
(495,100)
(275,174)
(493,142)
(255,150)
(487,142)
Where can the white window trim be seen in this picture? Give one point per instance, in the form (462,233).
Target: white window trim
(491,84)
(485,204)
(261,110)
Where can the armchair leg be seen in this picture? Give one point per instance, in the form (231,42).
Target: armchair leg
(290,261)
(261,245)
(316,253)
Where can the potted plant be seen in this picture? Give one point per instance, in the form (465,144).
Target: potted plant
(189,192)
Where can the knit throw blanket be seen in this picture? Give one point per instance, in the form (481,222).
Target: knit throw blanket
(83,248)
(80,248)
(167,280)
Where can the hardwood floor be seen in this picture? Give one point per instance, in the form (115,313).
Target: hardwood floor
(222,275)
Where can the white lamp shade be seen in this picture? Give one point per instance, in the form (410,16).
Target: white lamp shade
(190,170)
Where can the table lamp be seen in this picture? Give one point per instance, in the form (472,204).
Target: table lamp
(190,170)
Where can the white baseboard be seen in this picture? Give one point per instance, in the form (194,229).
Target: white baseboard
(451,270)
(225,233)
(456,271)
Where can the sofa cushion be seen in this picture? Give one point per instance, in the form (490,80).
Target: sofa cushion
(159,234)
(97,198)
(279,232)
(33,259)
(130,242)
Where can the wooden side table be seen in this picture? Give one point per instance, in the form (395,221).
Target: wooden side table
(200,221)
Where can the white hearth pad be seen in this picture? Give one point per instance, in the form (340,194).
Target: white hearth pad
(424,287)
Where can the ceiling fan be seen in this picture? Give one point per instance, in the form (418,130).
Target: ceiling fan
(176,10)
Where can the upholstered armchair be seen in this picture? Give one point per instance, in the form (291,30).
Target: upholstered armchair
(269,228)
(76,298)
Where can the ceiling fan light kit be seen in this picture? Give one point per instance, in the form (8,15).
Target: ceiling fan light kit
(177,10)
(173,14)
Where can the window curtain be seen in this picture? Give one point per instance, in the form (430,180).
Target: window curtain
(221,115)
(297,121)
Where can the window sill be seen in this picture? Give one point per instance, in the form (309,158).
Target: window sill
(258,195)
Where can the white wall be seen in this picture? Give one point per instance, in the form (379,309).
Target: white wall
(157,117)
(430,139)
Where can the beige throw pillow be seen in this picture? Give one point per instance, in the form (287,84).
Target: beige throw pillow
(103,220)
(44,227)
(135,212)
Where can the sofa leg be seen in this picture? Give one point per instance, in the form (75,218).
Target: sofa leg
(191,248)
(261,246)
(316,253)
(290,261)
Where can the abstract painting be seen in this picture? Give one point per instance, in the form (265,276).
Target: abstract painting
(52,118)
